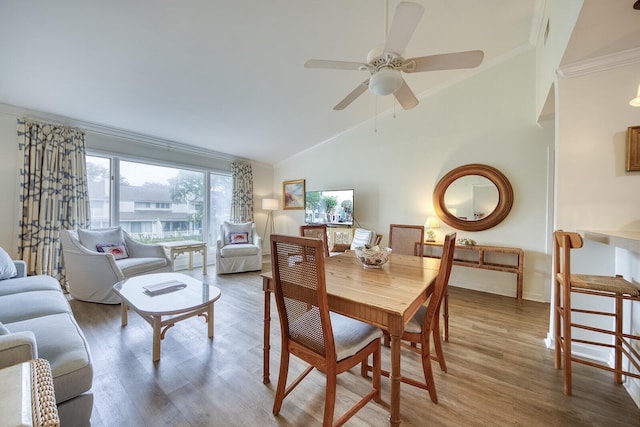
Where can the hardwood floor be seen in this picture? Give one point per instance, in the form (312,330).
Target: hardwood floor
(499,371)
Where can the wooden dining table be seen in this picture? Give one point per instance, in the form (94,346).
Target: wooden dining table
(387,297)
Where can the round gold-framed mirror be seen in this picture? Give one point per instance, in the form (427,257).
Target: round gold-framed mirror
(473,197)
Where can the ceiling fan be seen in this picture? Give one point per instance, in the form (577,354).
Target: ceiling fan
(385,63)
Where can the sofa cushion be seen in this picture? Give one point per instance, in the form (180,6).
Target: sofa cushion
(27,305)
(239,250)
(4,330)
(7,267)
(135,266)
(90,239)
(230,228)
(62,343)
(29,284)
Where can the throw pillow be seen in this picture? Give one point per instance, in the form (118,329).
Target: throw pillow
(90,239)
(7,267)
(230,227)
(118,250)
(4,330)
(236,238)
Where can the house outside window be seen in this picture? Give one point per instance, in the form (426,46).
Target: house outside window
(157,203)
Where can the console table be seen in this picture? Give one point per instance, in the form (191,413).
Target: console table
(434,250)
(187,246)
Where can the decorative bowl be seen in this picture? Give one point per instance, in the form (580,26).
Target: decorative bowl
(372,257)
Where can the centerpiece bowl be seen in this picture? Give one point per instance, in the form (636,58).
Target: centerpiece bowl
(373,257)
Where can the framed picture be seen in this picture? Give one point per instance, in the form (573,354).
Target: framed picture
(633,148)
(293,194)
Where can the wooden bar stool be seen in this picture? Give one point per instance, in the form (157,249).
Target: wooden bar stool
(566,283)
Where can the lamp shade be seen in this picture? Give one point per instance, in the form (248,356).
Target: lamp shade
(635,102)
(385,82)
(432,222)
(270,204)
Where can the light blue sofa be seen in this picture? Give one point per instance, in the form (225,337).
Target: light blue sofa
(36,322)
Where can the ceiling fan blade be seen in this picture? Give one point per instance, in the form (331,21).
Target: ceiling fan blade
(445,61)
(405,96)
(404,23)
(359,90)
(334,65)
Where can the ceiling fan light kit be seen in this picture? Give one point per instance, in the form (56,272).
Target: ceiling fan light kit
(635,102)
(385,82)
(385,63)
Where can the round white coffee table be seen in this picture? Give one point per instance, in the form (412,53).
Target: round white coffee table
(172,296)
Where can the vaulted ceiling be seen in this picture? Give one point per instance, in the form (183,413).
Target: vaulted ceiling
(228,76)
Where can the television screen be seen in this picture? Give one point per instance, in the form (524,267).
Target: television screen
(329,207)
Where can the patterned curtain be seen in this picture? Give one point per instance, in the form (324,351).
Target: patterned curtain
(242,201)
(53,192)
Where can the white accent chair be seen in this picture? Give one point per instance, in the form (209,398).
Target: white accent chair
(238,248)
(92,274)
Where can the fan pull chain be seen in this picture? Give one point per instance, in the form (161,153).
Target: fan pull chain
(375,115)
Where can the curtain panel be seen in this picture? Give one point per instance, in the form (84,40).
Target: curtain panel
(242,199)
(53,193)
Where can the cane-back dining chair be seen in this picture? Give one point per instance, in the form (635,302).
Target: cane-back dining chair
(425,324)
(328,341)
(406,239)
(567,283)
(317,232)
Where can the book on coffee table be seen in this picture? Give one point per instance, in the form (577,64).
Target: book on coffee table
(164,287)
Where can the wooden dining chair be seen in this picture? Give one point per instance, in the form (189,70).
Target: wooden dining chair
(406,239)
(425,324)
(328,341)
(567,283)
(316,232)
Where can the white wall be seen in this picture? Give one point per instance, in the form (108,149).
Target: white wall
(263,174)
(593,189)
(9,187)
(490,119)
(562,17)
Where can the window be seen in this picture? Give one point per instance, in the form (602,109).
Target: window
(99,180)
(157,203)
(220,195)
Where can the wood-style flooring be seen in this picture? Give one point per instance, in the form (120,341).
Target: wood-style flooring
(499,371)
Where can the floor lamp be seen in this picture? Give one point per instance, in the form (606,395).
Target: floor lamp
(269,205)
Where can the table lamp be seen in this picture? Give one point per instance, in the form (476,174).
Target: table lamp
(269,205)
(430,224)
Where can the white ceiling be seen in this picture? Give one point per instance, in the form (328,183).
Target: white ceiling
(228,75)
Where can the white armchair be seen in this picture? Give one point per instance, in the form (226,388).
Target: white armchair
(91,274)
(238,249)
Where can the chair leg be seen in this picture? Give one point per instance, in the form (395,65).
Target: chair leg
(566,318)
(557,324)
(428,372)
(437,344)
(617,375)
(282,382)
(330,399)
(377,364)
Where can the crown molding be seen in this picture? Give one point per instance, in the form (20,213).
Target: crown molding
(600,63)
